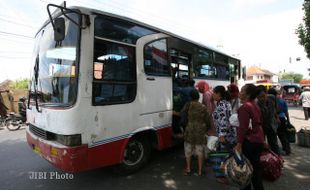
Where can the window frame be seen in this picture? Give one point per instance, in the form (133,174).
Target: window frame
(186,57)
(167,59)
(101,82)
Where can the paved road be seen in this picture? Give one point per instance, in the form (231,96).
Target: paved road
(17,162)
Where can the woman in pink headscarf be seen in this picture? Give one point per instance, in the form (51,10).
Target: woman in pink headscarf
(235,101)
(207,99)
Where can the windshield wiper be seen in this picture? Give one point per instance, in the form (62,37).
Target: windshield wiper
(36,78)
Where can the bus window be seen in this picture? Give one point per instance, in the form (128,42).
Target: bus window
(155,58)
(203,66)
(222,72)
(120,30)
(114,73)
(180,62)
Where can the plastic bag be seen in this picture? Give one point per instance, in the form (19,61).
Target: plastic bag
(212,143)
(233,120)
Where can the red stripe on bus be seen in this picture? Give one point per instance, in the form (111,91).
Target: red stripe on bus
(81,158)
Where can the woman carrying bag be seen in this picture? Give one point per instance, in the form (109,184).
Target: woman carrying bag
(225,132)
(250,136)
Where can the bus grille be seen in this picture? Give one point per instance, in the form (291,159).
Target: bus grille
(38,132)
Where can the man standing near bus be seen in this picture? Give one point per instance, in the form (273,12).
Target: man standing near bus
(305,98)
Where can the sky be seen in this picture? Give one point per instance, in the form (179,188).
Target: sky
(259,32)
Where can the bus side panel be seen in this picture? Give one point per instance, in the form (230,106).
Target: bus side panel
(164,136)
(106,154)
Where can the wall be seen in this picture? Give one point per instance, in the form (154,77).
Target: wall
(16,94)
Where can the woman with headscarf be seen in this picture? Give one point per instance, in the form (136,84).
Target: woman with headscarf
(207,100)
(235,101)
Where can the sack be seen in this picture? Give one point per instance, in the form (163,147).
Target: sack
(233,120)
(303,137)
(238,170)
(272,165)
(290,133)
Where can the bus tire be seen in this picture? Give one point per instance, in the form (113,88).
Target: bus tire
(136,155)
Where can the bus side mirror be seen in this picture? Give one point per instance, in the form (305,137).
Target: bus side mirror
(59,29)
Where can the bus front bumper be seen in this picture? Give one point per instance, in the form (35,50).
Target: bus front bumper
(69,159)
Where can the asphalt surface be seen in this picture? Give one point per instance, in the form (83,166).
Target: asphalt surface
(18,164)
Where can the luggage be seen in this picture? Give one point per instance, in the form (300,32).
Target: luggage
(272,165)
(291,133)
(238,170)
(303,137)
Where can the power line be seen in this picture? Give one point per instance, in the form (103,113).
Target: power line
(13,34)
(17,52)
(168,23)
(14,40)
(10,57)
(17,23)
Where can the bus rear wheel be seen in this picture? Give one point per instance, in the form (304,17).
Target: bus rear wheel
(136,155)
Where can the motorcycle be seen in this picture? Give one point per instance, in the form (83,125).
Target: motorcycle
(14,121)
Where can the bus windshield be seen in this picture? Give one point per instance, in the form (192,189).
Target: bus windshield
(54,79)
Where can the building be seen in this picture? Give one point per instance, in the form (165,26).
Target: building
(255,74)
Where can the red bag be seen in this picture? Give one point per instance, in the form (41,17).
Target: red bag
(272,165)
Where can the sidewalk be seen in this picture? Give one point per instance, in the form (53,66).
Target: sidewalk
(296,171)
(297,117)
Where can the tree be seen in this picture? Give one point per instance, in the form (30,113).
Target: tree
(291,75)
(303,30)
(19,84)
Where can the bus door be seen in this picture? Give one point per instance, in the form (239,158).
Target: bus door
(154,81)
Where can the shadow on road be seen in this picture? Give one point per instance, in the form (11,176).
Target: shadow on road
(165,171)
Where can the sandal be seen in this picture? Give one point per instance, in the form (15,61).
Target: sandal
(187,173)
(200,175)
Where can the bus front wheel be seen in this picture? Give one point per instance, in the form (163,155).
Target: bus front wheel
(136,155)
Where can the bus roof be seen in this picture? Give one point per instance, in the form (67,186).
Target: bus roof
(96,11)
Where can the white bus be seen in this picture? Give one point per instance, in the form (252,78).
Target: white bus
(102,88)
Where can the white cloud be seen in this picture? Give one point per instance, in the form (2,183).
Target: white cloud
(251,3)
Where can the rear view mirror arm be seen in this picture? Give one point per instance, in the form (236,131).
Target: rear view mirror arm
(62,8)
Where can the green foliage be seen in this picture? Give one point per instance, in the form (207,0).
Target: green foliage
(291,75)
(19,84)
(303,30)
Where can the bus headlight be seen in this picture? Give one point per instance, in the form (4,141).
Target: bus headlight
(69,140)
